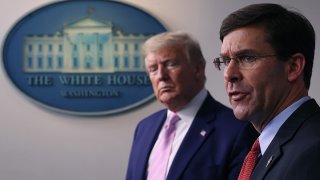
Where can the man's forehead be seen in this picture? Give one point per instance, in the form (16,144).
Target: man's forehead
(243,39)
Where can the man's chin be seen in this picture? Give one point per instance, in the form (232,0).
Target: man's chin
(240,112)
(166,99)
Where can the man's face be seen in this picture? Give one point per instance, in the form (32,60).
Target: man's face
(255,94)
(175,81)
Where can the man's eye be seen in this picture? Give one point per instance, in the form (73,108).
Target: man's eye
(152,69)
(170,64)
(246,59)
(226,60)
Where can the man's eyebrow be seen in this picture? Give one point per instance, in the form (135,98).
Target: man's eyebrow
(165,60)
(245,52)
(241,52)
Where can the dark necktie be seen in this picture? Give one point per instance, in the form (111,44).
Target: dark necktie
(250,161)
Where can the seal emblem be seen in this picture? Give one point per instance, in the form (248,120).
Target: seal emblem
(82,57)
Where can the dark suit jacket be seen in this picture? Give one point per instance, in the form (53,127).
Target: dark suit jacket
(294,153)
(217,155)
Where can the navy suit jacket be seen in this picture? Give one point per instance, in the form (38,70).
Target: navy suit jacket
(294,153)
(217,155)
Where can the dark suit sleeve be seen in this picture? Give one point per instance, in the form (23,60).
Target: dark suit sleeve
(307,166)
(241,148)
(130,168)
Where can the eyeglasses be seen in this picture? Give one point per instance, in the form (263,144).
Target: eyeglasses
(243,61)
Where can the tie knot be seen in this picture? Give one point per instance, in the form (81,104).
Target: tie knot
(256,146)
(172,121)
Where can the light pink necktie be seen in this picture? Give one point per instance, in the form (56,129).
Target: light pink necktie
(250,161)
(158,166)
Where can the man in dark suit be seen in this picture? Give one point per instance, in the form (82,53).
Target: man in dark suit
(209,142)
(268,54)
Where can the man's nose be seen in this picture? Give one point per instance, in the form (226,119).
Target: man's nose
(232,72)
(162,73)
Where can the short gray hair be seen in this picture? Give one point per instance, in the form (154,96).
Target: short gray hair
(179,39)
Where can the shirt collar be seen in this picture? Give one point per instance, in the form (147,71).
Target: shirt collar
(190,110)
(269,132)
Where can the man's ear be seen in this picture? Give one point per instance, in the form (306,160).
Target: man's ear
(200,70)
(296,66)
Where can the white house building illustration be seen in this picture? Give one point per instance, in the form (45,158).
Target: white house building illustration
(84,46)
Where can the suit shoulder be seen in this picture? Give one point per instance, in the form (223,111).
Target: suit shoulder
(152,118)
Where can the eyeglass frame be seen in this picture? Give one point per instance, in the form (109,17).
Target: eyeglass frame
(238,59)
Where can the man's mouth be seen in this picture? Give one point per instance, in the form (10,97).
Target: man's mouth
(165,88)
(237,95)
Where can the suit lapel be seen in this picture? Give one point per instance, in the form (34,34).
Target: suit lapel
(197,134)
(284,135)
(271,156)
